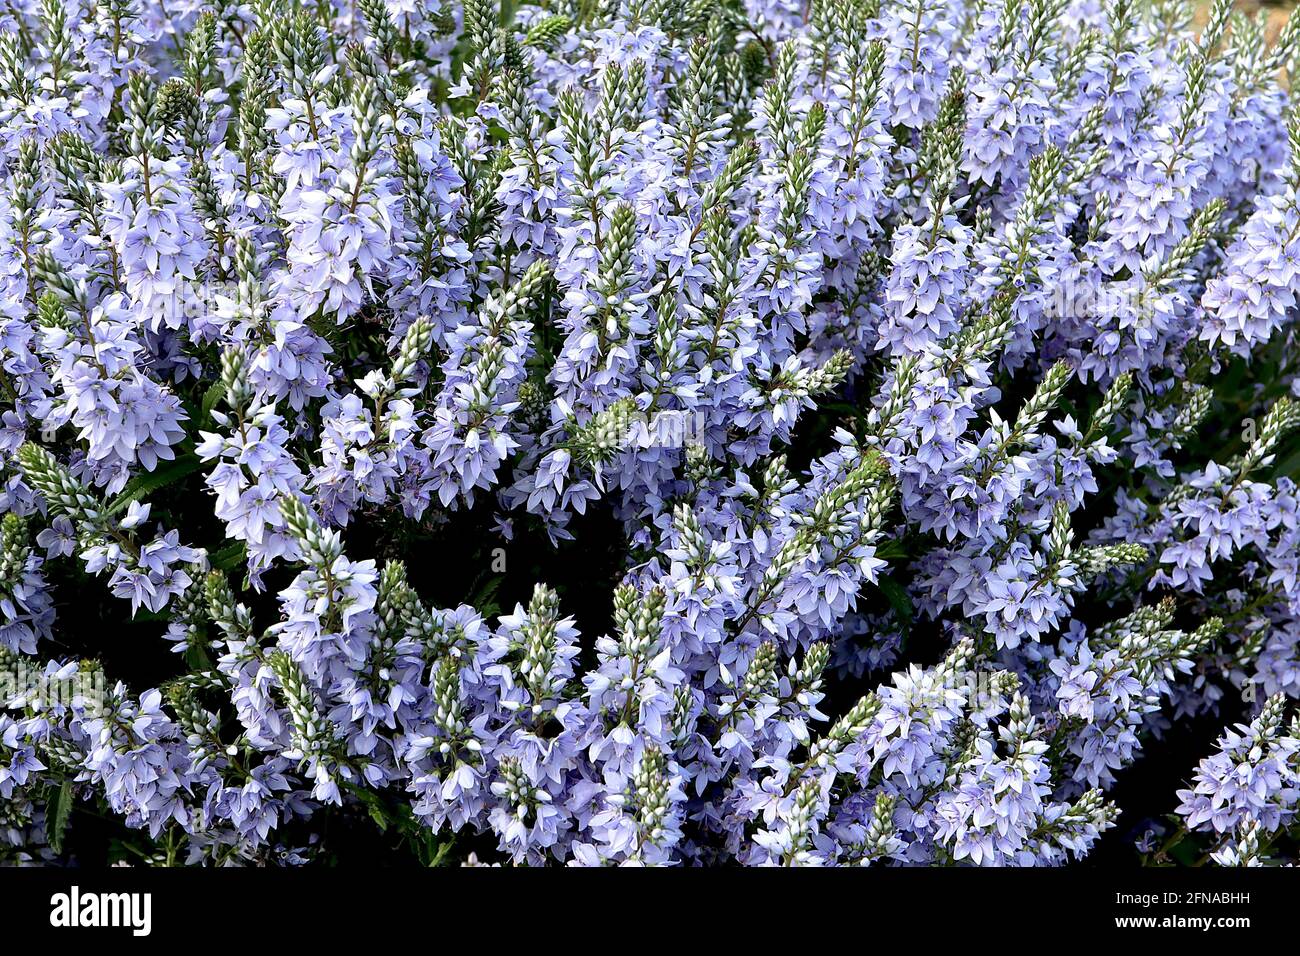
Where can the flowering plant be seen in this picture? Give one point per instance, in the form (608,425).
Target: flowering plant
(646,432)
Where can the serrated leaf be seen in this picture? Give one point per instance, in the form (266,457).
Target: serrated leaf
(215,393)
(228,557)
(146,484)
(57,814)
(483,598)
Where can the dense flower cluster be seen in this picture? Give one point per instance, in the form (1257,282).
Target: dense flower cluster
(907,343)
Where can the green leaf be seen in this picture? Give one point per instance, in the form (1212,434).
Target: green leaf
(146,484)
(374,805)
(56,816)
(151,616)
(1184,851)
(891,549)
(229,557)
(197,659)
(215,393)
(898,599)
(1288,467)
(483,597)
(436,852)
